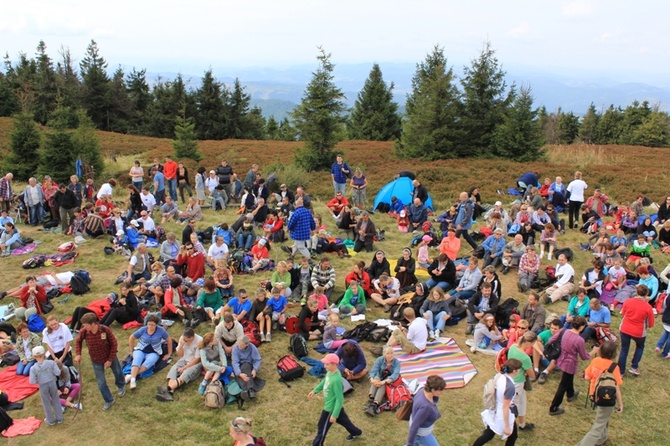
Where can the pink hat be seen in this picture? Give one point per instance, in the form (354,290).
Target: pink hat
(331,358)
(427,238)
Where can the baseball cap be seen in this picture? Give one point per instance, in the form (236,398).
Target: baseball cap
(331,358)
(120,232)
(39,351)
(498,203)
(262,242)
(134,223)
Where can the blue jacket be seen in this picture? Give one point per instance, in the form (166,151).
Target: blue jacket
(529,179)
(464,216)
(248,355)
(339,176)
(355,363)
(418,214)
(380,365)
(491,245)
(397,206)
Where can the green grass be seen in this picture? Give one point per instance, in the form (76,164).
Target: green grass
(284,416)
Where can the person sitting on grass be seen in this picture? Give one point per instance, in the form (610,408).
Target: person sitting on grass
(564,285)
(385,371)
(365,231)
(311,328)
(578,306)
(67,390)
(539,359)
(494,245)
(260,257)
(360,275)
(641,248)
(442,273)
(486,336)
(405,268)
(274,313)
(25,343)
(123,310)
(352,361)
(186,369)
(173,303)
(436,311)
(599,317)
(512,253)
(412,339)
(209,300)
(246,365)
(469,282)
(336,205)
(483,302)
(330,336)
(149,348)
(228,333)
(647,229)
(548,240)
(353,301)
(239,307)
(213,360)
(323,274)
(529,265)
(386,291)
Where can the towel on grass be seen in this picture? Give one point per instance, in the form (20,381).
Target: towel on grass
(23,426)
(16,387)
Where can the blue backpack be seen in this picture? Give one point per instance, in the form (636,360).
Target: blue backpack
(36,323)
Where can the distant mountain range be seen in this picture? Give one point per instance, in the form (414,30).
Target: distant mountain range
(278,90)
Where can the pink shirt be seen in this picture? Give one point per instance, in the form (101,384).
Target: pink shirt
(322,300)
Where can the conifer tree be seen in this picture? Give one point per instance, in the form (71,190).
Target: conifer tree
(609,128)
(518,136)
(271,128)
(140,100)
(185,144)
(211,117)
(318,118)
(59,151)
(588,131)
(654,131)
(568,127)
(44,86)
(24,143)
(375,115)
(96,87)
(87,145)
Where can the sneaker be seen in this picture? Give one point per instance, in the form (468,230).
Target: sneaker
(548,256)
(201,389)
(542,378)
(573,397)
(45,420)
(667,356)
(527,427)
(268,337)
(558,411)
(353,437)
(546,300)
(635,372)
(431,335)
(128,378)
(387,308)
(122,391)
(108,405)
(133,384)
(262,337)
(164,395)
(78,406)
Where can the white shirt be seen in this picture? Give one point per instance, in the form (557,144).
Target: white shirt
(57,338)
(211,183)
(149,201)
(191,350)
(564,273)
(218,252)
(576,189)
(149,224)
(105,189)
(417,333)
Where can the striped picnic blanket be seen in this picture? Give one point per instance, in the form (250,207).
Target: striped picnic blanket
(442,357)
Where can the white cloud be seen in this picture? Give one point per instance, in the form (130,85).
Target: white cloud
(578,9)
(522,30)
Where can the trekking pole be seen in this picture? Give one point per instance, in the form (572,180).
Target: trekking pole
(81,390)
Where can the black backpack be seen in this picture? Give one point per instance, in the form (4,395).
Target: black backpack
(553,349)
(360,332)
(505,310)
(298,345)
(5,420)
(79,285)
(378,334)
(289,369)
(604,394)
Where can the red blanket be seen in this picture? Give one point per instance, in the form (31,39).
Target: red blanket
(24,426)
(16,387)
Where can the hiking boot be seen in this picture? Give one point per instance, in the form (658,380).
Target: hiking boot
(573,397)
(542,378)
(470,329)
(108,405)
(527,427)
(376,350)
(195,322)
(371,409)
(245,396)
(164,395)
(286,249)
(558,411)
(546,300)
(387,308)
(505,269)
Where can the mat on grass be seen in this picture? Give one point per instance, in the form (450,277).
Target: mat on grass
(418,272)
(16,387)
(442,357)
(22,426)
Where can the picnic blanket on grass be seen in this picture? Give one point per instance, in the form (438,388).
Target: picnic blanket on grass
(22,426)
(442,357)
(418,272)
(16,387)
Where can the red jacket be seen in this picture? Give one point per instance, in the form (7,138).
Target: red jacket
(363,282)
(276,225)
(637,317)
(195,265)
(41,297)
(168,305)
(170,170)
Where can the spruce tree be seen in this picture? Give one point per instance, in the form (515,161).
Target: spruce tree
(120,105)
(485,99)
(568,127)
(237,110)
(211,120)
(87,145)
(318,118)
(140,100)
(44,88)
(431,129)
(609,128)
(518,136)
(59,151)
(67,81)
(185,144)
(633,117)
(654,131)
(96,87)
(286,131)
(24,143)
(271,128)
(588,131)
(375,115)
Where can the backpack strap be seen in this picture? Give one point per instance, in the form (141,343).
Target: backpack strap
(612,367)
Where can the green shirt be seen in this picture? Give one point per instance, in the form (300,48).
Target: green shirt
(333,393)
(526,363)
(544,336)
(583,309)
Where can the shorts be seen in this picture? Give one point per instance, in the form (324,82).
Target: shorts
(520,399)
(279,317)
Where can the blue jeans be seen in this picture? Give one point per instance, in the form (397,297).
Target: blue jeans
(432,283)
(36,214)
(435,322)
(24,369)
(241,243)
(464,295)
(99,370)
(172,186)
(146,360)
(428,440)
(664,342)
(625,346)
(138,185)
(339,187)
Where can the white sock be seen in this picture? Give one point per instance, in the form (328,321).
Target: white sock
(536,371)
(545,371)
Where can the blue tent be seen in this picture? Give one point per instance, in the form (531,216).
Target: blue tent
(402,189)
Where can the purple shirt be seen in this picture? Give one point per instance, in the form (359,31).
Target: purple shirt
(572,348)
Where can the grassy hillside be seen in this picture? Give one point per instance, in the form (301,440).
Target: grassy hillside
(284,416)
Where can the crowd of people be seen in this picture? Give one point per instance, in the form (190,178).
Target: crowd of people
(195,285)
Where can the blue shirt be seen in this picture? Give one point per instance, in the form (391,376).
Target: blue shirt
(616,241)
(238,307)
(301,224)
(277,305)
(339,176)
(154,340)
(601,316)
(160,179)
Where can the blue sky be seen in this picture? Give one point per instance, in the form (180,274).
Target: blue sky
(619,39)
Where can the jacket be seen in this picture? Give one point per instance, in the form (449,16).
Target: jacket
(465,211)
(448,273)
(476,299)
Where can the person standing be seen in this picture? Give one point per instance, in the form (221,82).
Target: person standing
(333,407)
(34,199)
(159,186)
(170,173)
(576,189)
(44,373)
(301,225)
(66,201)
(463,221)
(340,172)
(102,347)
(225,173)
(137,174)
(518,351)
(638,316)
(6,192)
(598,432)
(425,413)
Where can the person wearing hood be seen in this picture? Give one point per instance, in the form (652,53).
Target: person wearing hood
(379,265)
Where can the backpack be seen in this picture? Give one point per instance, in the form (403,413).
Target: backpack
(78,285)
(36,261)
(360,331)
(214,395)
(505,310)
(604,393)
(289,369)
(605,334)
(84,275)
(5,420)
(501,359)
(489,396)
(378,334)
(553,349)
(292,325)
(66,247)
(36,323)
(298,345)
(251,330)
(74,374)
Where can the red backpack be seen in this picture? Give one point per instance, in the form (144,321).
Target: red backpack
(251,330)
(292,325)
(501,359)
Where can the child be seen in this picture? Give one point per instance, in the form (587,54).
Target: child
(330,340)
(308,321)
(619,242)
(274,312)
(120,241)
(641,248)
(322,300)
(403,222)
(25,343)
(663,345)
(257,311)
(333,397)
(422,254)
(213,360)
(353,301)
(89,191)
(218,201)
(548,240)
(67,388)
(304,275)
(44,373)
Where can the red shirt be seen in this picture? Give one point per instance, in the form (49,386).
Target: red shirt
(40,297)
(102,345)
(259,252)
(170,170)
(637,317)
(195,265)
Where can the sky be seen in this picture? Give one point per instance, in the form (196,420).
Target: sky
(617,38)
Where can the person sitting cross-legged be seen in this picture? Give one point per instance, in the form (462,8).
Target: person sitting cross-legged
(412,339)
(352,361)
(436,311)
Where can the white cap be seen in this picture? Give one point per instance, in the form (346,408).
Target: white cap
(38,351)
(498,203)
(120,232)
(134,223)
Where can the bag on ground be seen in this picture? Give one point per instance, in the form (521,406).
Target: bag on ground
(214,395)
(289,369)
(298,345)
